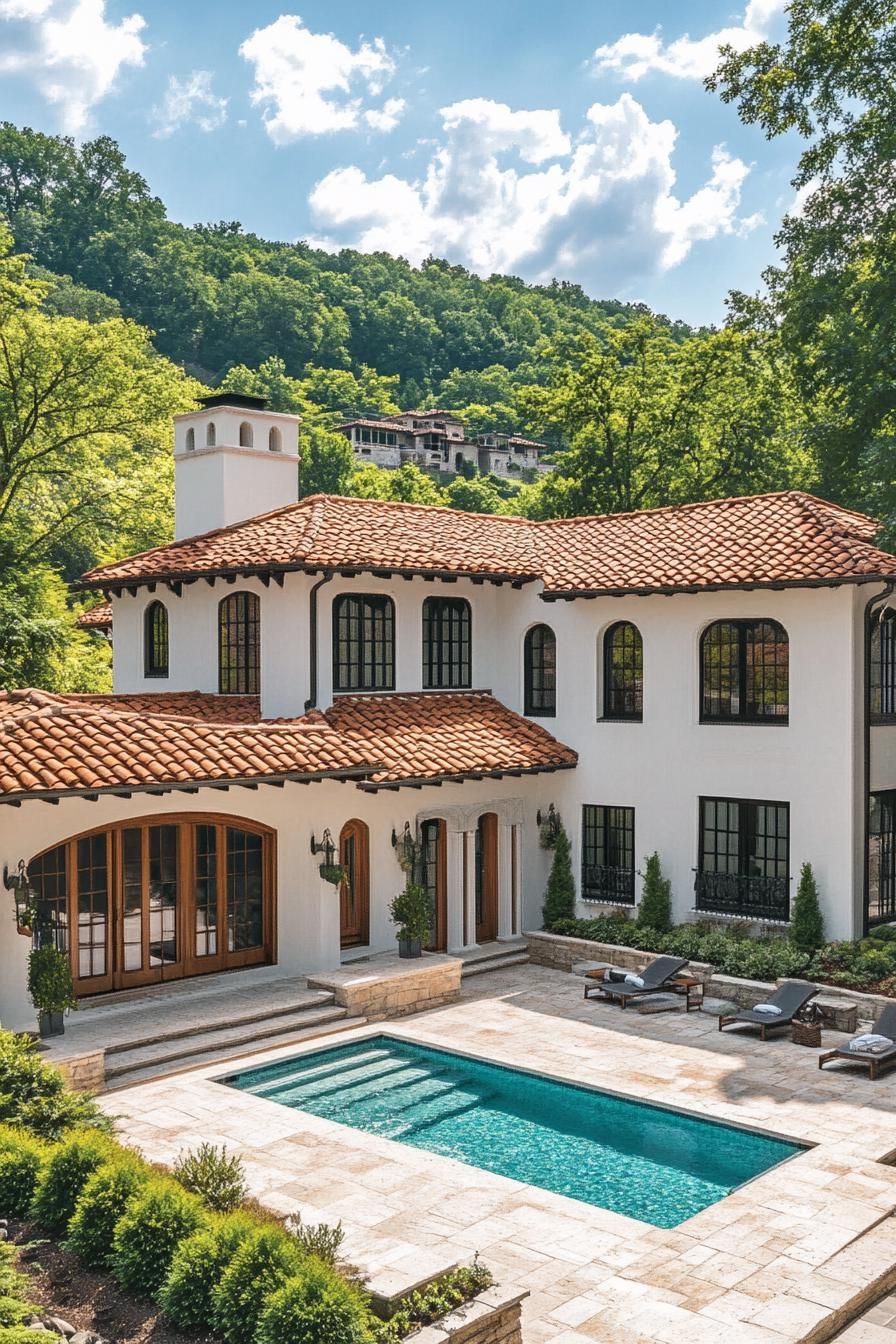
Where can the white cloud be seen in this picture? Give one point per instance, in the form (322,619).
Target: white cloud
(387,117)
(605,209)
(637,54)
(71,51)
(187,100)
(311,83)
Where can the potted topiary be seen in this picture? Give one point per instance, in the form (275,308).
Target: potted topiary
(51,989)
(410,911)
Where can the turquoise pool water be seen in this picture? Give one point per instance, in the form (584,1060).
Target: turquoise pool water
(656,1165)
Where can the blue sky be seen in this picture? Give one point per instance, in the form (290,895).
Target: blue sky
(552,139)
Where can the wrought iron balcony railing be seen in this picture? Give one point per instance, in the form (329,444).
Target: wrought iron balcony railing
(751,897)
(603,883)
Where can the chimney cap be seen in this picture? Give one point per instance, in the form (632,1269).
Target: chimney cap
(242,400)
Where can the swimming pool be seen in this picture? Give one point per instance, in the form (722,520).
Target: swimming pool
(650,1163)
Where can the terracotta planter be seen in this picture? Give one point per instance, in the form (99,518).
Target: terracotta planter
(25,930)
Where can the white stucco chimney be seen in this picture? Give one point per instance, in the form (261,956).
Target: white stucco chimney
(232,460)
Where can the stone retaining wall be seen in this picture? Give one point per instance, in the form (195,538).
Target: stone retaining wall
(390,986)
(84,1073)
(491,1318)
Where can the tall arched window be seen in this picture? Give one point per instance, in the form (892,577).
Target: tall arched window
(744,672)
(275,443)
(623,672)
(447,656)
(239,644)
(191,439)
(540,672)
(210,434)
(246,436)
(155,640)
(363,642)
(882,668)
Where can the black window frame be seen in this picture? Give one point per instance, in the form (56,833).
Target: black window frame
(447,644)
(729,887)
(882,669)
(623,680)
(540,678)
(608,835)
(155,640)
(881,805)
(239,632)
(748,677)
(369,664)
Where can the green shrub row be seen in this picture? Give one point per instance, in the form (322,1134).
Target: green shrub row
(435,1301)
(866,965)
(14,1305)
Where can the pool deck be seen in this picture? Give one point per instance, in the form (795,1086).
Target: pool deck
(791,1256)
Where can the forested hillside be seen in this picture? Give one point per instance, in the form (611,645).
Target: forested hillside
(113,317)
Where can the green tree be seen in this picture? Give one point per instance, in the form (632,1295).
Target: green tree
(560,896)
(328,462)
(655,910)
(806,920)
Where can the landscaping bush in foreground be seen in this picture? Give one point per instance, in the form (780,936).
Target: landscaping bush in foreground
(67,1171)
(263,1263)
(35,1095)
(21,1158)
(197,1267)
(217,1179)
(155,1222)
(102,1203)
(315,1307)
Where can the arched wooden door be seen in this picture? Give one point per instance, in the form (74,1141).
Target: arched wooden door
(354,892)
(487,878)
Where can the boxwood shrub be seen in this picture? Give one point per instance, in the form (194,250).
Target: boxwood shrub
(316,1306)
(262,1264)
(158,1218)
(197,1267)
(70,1166)
(101,1204)
(35,1095)
(21,1158)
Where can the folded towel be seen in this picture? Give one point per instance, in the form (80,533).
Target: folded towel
(767,1008)
(870,1041)
(634,980)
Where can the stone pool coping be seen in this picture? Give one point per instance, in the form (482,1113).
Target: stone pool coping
(790,1256)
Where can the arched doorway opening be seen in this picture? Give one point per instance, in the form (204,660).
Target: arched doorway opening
(354,890)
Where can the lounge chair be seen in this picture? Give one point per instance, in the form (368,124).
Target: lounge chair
(790,998)
(884,1026)
(656,979)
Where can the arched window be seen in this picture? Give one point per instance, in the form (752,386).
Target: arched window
(210,434)
(744,672)
(275,443)
(447,657)
(155,640)
(623,672)
(191,439)
(246,437)
(239,644)
(882,669)
(540,672)
(363,643)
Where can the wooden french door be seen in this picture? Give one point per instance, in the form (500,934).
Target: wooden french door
(486,860)
(434,878)
(354,891)
(160,898)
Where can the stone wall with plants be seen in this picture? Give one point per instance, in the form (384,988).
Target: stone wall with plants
(188,1240)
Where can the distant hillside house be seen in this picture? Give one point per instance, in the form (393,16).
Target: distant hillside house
(437,441)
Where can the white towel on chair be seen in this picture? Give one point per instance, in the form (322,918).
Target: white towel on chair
(869,1040)
(769,1008)
(634,980)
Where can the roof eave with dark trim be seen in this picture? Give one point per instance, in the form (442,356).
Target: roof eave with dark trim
(432,781)
(742,585)
(121,585)
(124,789)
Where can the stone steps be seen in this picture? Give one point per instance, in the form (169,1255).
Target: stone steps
(490,960)
(228,1018)
(138,1062)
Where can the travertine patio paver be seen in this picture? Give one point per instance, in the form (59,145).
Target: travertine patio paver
(773,1263)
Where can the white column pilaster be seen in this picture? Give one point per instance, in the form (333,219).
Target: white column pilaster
(455,894)
(505,880)
(470,894)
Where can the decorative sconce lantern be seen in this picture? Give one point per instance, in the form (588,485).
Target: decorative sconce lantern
(17,882)
(330,870)
(550,826)
(407,849)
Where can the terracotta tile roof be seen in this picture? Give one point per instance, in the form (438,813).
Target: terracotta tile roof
(96,618)
(760,540)
(64,744)
(86,744)
(438,735)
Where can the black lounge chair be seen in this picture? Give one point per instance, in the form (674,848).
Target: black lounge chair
(884,1026)
(790,998)
(657,977)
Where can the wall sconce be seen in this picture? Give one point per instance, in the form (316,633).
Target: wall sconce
(17,882)
(324,846)
(407,850)
(550,826)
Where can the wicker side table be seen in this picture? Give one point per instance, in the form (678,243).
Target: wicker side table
(806,1033)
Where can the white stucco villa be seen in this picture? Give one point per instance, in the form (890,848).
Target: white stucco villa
(716,682)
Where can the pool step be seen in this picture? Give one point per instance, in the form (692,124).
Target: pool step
(135,1063)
